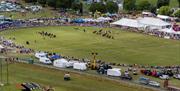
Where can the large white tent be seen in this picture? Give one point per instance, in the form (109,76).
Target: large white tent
(128,23)
(143,22)
(153,22)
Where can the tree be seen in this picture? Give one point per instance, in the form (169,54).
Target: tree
(129,5)
(153,9)
(98,7)
(165,10)
(177,13)
(179,3)
(42,2)
(64,4)
(143,5)
(75,6)
(78,6)
(161,3)
(112,7)
(52,3)
(30,1)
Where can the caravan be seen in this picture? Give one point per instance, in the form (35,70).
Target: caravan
(80,66)
(40,55)
(45,60)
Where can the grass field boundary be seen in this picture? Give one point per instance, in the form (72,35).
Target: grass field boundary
(98,77)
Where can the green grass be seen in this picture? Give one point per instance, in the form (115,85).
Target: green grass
(127,47)
(44,13)
(20,73)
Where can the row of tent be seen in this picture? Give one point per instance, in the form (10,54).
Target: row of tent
(100,19)
(64,63)
(60,62)
(148,23)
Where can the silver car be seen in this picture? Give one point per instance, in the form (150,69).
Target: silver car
(154,84)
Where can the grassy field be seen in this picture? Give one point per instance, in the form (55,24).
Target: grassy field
(20,73)
(44,13)
(127,47)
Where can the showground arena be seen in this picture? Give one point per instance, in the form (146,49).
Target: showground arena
(79,40)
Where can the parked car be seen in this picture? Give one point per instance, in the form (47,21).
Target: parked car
(102,69)
(126,77)
(177,76)
(143,80)
(154,84)
(135,72)
(164,77)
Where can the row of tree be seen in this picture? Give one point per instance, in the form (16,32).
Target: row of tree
(104,7)
(109,6)
(144,4)
(166,10)
(162,5)
(62,4)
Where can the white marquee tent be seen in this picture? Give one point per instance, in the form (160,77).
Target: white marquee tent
(153,22)
(80,66)
(60,63)
(114,72)
(142,22)
(128,23)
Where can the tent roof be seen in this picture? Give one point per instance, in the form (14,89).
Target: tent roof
(152,21)
(163,16)
(61,60)
(148,13)
(127,22)
(1,47)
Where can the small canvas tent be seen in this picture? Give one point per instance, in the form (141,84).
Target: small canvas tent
(114,72)
(71,63)
(60,63)
(79,66)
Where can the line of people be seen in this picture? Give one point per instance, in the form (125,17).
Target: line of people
(46,34)
(104,33)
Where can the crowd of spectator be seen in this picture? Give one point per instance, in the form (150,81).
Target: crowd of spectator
(67,20)
(154,32)
(10,44)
